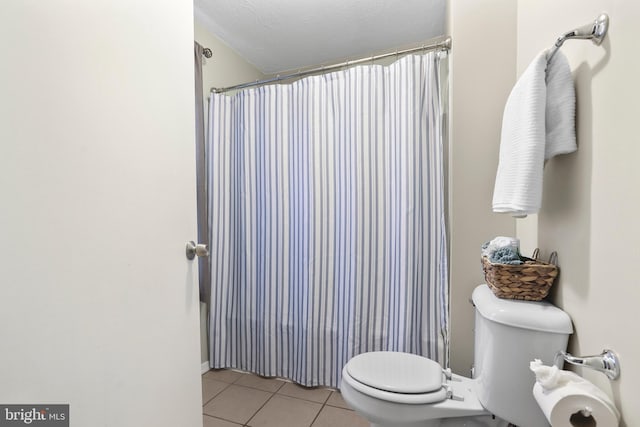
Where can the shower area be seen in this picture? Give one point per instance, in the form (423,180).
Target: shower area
(322,200)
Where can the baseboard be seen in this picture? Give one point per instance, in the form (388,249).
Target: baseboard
(204,367)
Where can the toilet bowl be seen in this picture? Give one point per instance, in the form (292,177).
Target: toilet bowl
(402,389)
(407,390)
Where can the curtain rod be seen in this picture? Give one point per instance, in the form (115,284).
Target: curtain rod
(443,44)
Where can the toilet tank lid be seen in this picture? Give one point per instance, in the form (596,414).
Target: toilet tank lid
(533,315)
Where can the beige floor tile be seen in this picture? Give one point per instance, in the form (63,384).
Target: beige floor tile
(210,388)
(282,411)
(338,417)
(224,375)
(208,421)
(319,395)
(236,403)
(336,400)
(261,383)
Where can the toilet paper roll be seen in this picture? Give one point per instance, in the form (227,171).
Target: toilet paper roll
(577,404)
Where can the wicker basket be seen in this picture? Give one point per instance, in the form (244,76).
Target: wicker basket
(530,281)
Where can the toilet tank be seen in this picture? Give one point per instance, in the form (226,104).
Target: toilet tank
(508,335)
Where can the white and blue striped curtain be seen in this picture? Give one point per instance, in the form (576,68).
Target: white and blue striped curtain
(326,211)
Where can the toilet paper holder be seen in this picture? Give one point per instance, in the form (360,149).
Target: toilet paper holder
(607,362)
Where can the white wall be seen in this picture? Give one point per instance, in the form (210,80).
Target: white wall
(225,68)
(482,74)
(591,199)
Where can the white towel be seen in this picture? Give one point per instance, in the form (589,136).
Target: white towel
(538,123)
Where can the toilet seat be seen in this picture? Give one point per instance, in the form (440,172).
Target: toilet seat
(396,377)
(396,372)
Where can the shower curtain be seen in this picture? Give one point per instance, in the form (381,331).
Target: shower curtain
(326,211)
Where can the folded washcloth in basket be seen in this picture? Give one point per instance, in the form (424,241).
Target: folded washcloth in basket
(500,242)
(506,255)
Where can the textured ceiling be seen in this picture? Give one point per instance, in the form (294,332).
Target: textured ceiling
(280,35)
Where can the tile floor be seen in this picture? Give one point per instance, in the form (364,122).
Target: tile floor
(232,399)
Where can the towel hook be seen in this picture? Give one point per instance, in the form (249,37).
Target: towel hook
(594,31)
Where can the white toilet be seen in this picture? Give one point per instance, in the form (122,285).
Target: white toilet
(401,389)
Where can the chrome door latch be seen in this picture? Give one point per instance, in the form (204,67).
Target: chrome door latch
(194,249)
